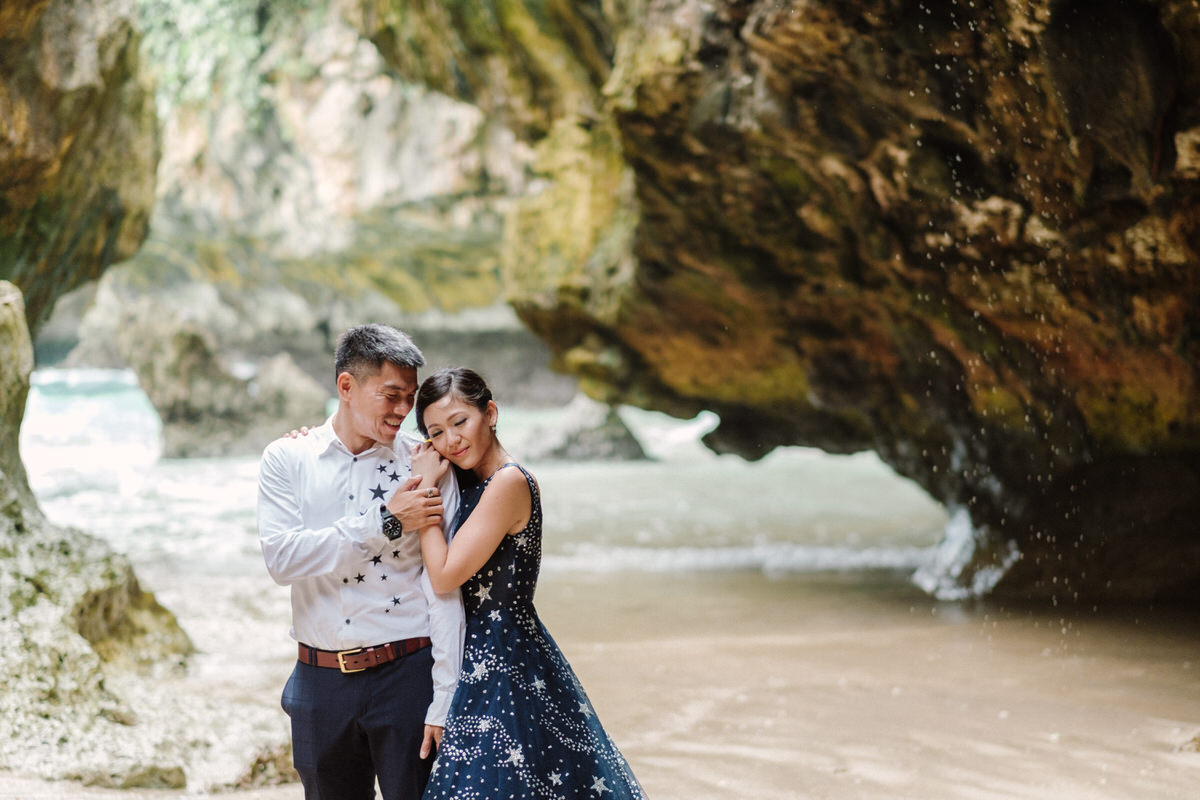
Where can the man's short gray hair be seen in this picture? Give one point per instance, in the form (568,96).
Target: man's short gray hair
(362,350)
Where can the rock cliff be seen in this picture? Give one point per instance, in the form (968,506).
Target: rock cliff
(78,145)
(963,235)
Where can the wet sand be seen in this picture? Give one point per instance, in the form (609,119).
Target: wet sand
(827,686)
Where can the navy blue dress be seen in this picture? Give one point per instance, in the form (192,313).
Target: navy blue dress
(520,725)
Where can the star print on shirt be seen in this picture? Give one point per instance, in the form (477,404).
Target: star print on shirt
(394,477)
(377,493)
(359,578)
(395,601)
(381,468)
(377,559)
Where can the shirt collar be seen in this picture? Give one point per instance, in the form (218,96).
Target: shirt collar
(325,441)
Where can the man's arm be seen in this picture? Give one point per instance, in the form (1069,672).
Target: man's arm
(292,551)
(447,622)
(447,626)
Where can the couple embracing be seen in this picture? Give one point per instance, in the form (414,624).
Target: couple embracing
(412,565)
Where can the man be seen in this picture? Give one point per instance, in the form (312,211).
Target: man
(379,651)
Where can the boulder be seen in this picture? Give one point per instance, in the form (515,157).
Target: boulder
(587,431)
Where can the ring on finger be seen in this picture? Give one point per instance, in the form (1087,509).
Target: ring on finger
(429,492)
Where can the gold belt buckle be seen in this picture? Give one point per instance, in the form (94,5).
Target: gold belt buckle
(342,660)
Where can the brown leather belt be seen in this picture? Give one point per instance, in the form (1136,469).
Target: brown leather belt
(360,658)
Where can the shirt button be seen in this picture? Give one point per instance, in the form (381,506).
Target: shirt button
(351,497)
(345,580)
(347,622)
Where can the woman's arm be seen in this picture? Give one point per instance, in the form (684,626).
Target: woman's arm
(503,508)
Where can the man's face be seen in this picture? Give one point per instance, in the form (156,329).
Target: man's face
(380,402)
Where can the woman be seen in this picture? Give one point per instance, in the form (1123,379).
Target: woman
(520,724)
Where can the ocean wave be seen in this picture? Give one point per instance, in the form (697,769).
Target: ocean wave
(771,559)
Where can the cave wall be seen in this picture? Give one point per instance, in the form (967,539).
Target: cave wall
(962,235)
(78,145)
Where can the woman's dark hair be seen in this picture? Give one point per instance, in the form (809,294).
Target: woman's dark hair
(466,384)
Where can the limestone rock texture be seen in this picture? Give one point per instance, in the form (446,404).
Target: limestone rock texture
(78,145)
(74,619)
(963,235)
(308,189)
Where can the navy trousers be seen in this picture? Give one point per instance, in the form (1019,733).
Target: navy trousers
(349,729)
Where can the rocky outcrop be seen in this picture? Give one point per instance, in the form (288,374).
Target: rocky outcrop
(78,145)
(962,235)
(312,192)
(205,409)
(586,431)
(71,614)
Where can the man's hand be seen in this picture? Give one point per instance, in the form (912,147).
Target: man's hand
(415,507)
(432,741)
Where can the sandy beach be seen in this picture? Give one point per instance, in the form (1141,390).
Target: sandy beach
(732,685)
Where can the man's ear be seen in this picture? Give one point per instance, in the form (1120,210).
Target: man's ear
(344,383)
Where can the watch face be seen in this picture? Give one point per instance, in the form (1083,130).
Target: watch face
(391,526)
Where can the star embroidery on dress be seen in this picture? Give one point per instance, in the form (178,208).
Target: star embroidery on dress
(377,559)
(583,709)
(515,756)
(540,684)
(598,786)
(377,493)
(555,778)
(495,615)
(485,725)
(480,669)
(484,592)
(522,540)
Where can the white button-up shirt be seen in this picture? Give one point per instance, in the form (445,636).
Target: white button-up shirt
(321,533)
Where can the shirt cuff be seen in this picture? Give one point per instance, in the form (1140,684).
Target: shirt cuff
(439,708)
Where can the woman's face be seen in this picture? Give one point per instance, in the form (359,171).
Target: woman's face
(459,431)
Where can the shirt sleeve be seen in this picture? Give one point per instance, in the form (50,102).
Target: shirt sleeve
(447,627)
(447,622)
(293,552)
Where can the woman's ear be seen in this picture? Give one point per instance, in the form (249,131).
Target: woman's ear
(492,414)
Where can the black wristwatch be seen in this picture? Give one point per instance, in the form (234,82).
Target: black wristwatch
(391,525)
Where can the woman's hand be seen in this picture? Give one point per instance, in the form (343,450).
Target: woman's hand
(429,464)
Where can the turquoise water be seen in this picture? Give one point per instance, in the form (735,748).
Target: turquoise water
(91,444)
